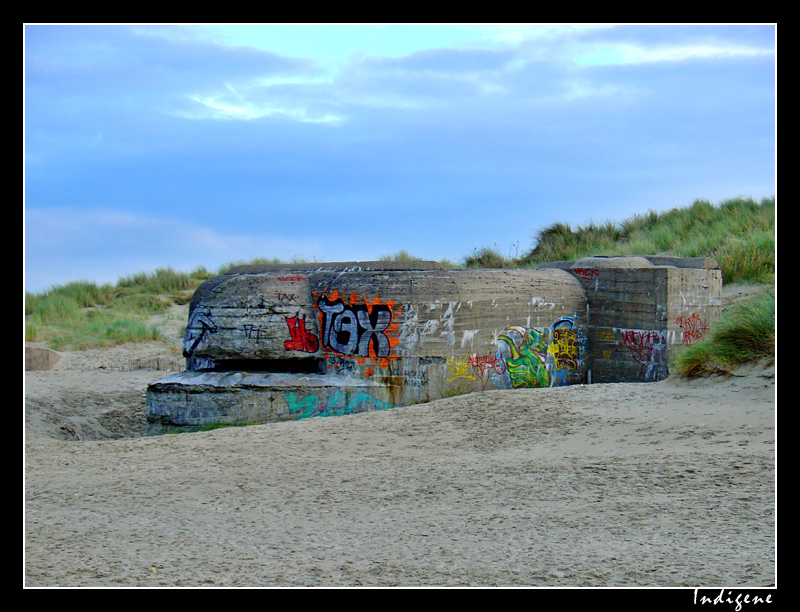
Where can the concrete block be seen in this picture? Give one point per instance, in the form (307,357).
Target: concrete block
(39,358)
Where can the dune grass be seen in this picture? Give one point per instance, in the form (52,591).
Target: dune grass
(744,334)
(739,233)
(489,257)
(83,314)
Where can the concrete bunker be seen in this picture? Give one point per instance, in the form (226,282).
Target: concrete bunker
(274,343)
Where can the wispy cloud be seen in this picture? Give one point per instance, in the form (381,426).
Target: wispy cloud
(622,53)
(236,106)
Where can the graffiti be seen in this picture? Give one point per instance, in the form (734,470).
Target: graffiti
(292,278)
(694,328)
(355,330)
(646,347)
(564,349)
(459,367)
(199,325)
(304,407)
(302,339)
(640,343)
(336,405)
(485,366)
(528,349)
(448,323)
(340,364)
(586,274)
(251,332)
(537,357)
(359,328)
(415,378)
(287,297)
(605,334)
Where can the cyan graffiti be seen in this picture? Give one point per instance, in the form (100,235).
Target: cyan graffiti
(338,404)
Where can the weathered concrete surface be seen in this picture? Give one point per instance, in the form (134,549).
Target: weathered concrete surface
(413,330)
(39,358)
(284,342)
(643,314)
(190,400)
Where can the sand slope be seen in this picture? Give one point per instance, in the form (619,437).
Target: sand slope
(661,484)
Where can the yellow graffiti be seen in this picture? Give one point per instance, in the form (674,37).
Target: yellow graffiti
(605,334)
(564,349)
(459,367)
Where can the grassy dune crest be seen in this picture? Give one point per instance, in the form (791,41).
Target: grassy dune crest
(739,233)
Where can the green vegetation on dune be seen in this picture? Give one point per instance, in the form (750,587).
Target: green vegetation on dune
(739,233)
(83,314)
(743,335)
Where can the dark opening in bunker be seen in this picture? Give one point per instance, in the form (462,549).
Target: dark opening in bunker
(277,366)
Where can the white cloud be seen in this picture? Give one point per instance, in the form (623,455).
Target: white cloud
(217,107)
(629,53)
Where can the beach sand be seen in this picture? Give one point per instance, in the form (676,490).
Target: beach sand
(668,484)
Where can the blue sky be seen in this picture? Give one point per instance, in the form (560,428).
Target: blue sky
(150,146)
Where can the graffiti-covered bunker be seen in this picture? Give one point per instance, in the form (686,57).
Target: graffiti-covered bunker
(274,343)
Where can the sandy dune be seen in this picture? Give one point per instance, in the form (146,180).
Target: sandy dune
(661,484)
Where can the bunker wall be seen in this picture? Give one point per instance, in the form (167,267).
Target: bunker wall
(398,336)
(271,343)
(640,318)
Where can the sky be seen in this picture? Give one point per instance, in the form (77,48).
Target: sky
(155,145)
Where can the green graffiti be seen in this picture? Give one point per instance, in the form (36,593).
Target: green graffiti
(526,366)
(338,404)
(305,406)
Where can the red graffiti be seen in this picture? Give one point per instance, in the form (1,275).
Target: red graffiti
(586,274)
(694,328)
(302,339)
(640,343)
(484,365)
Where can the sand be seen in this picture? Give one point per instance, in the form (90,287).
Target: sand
(668,484)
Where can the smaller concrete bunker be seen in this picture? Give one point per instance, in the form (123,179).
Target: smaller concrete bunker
(274,343)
